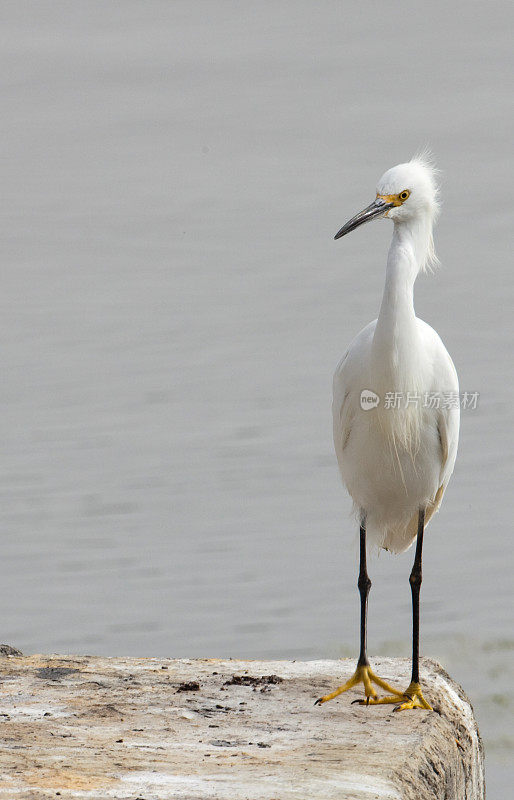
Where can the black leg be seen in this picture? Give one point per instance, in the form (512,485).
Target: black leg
(415,585)
(364,585)
(363,673)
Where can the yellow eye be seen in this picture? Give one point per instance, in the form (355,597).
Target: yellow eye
(404,195)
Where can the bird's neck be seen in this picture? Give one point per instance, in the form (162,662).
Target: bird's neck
(394,342)
(403,264)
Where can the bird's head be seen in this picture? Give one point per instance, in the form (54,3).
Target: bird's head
(407,192)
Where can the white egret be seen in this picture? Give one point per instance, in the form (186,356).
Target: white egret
(396,409)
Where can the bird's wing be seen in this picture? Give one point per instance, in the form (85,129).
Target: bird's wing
(341,408)
(448,423)
(346,387)
(446,385)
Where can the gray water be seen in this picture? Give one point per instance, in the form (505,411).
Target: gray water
(173,306)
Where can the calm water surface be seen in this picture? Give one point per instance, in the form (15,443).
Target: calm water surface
(173,307)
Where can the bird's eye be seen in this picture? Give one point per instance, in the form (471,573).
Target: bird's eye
(404,195)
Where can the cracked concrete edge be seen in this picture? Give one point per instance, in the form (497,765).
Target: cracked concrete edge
(461,777)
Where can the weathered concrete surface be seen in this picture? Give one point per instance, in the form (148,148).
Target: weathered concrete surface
(83,727)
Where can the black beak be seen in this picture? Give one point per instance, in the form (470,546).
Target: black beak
(376,209)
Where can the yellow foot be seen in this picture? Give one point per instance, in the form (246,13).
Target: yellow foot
(364,674)
(412,697)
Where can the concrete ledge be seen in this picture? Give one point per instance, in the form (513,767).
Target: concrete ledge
(83,727)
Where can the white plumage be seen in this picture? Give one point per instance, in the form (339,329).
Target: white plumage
(395,461)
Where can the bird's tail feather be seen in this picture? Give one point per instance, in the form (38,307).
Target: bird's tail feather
(398,538)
